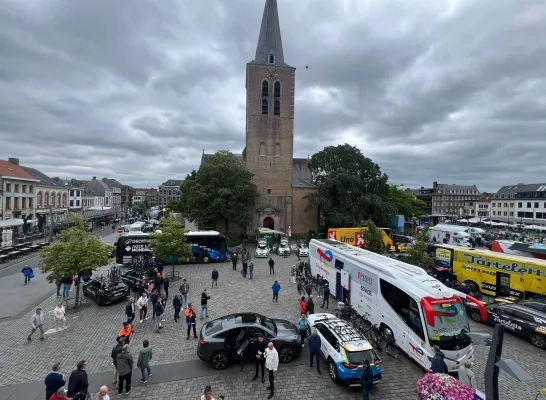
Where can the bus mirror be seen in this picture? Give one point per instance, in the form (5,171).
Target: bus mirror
(480,305)
(429,313)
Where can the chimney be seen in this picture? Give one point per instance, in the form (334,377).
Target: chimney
(434,184)
(14,161)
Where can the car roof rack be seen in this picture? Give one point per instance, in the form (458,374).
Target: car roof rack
(345,331)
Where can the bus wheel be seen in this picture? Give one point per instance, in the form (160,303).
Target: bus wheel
(387,332)
(472,286)
(206,260)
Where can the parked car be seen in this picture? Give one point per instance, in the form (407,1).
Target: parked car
(231,337)
(303,251)
(262,250)
(105,291)
(284,249)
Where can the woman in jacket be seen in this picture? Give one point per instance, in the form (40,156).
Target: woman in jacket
(303,305)
(303,325)
(59,314)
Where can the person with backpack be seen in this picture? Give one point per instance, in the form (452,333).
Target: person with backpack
(215,275)
(366,380)
(438,365)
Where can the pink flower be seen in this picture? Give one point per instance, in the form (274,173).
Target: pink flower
(442,387)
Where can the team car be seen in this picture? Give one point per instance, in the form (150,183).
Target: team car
(131,278)
(105,291)
(345,349)
(523,320)
(284,248)
(262,250)
(303,251)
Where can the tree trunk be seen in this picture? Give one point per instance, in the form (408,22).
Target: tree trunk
(78,292)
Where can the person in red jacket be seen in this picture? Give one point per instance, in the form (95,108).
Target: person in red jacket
(59,394)
(303,305)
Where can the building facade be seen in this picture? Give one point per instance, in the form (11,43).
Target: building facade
(531,204)
(139,196)
(100,192)
(169,191)
(504,204)
(152,197)
(18,192)
(450,199)
(115,189)
(425,195)
(127,193)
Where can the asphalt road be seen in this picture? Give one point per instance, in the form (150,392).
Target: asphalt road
(27,296)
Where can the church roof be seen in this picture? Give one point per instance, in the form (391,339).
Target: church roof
(269,40)
(301,176)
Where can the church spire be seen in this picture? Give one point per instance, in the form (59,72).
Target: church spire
(269,49)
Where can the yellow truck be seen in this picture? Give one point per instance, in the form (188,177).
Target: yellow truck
(354,237)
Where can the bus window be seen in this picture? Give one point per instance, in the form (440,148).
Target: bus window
(217,243)
(449,322)
(404,306)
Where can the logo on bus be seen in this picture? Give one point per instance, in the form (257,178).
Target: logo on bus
(325,256)
(364,278)
(417,350)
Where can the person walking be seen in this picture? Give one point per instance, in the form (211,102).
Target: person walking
(234,257)
(166,284)
(78,383)
(118,348)
(159,308)
(314,349)
(326,296)
(271,364)
(303,326)
(271,263)
(125,370)
(190,320)
(215,275)
(53,381)
(320,283)
(308,289)
(130,310)
(204,304)
(259,354)
(28,273)
(299,287)
(366,380)
(251,270)
(184,289)
(177,305)
(310,305)
(276,289)
(142,305)
(245,269)
(437,364)
(125,332)
(67,282)
(59,316)
(158,281)
(143,362)
(466,375)
(37,322)
(303,305)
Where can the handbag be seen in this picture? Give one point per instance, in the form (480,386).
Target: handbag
(31,275)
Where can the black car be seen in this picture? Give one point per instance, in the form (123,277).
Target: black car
(520,319)
(131,278)
(232,337)
(105,291)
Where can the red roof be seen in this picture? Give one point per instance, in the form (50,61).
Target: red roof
(14,171)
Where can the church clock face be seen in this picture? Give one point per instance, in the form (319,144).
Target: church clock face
(271,74)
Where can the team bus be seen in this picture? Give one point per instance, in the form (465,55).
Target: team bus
(415,309)
(492,273)
(206,246)
(354,237)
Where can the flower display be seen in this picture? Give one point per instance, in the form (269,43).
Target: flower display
(442,387)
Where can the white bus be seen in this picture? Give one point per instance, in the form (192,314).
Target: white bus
(401,299)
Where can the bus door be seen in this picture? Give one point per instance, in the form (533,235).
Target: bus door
(503,284)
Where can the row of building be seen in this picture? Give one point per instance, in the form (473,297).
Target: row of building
(524,203)
(28,194)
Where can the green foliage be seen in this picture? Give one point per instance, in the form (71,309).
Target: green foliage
(406,203)
(142,206)
(222,190)
(76,251)
(373,238)
(418,253)
(171,241)
(351,188)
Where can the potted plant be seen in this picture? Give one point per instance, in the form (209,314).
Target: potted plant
(442,387)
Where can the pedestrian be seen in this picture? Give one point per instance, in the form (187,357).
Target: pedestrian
(158,281)
(58,284)
(59,316)
(158,309)
(251,269)
(437,364)
(103,393)
(466,375)
(215,275)
(143,362)
(78,383)
(130,310)
(314,349)
(271,263)
(118,348)
(299,288)
(234,260)
(53,381)
(245,268)
(60,394)
(207,393)
(136,288)
(28,273)
(276,289)
(204,304)
(142,305)
(177,305)
(320,282)
(37,322)
(366,380)
(166,284)
(308,289)
(125,369)
(259,354)
(184,289)
(303,326)
(310,305)
(303,305)
(67,282)
(125,332)
(154,296)
(113,228)
(271,364)
(190,320)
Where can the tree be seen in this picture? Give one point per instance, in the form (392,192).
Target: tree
(373,238)
(222,190)
(170,242)
(418,253)
(75,253)
(142,206)
(351,188)
(406,203)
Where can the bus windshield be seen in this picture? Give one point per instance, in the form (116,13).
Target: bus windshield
(450,322)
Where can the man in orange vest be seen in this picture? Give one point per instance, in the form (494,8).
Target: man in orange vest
(125,332)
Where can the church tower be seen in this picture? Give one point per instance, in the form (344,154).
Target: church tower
(270,92)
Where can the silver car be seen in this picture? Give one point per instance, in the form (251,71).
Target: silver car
(303,251)
(262,251)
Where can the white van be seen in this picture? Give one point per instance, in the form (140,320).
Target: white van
(452,234)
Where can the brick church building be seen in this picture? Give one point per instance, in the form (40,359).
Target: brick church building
(282,180)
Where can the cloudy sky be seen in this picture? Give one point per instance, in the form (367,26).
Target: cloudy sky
(453,91)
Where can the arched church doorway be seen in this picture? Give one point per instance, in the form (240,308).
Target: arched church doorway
(269,223)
